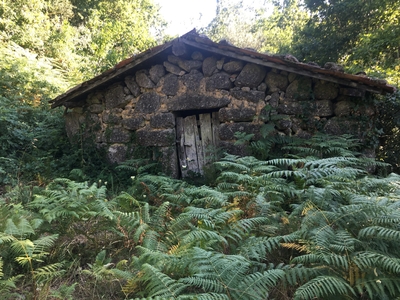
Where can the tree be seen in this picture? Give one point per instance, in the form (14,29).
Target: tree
(121,28)
(83,37)
(237,23)
(360,34)
(279,28)
(30,23)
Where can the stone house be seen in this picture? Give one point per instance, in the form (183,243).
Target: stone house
(190,95)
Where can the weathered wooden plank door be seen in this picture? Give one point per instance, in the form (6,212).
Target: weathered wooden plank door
(197,135)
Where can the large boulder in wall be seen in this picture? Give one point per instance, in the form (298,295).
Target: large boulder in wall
(251,76)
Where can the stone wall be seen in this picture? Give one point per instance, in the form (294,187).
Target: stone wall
(140,110)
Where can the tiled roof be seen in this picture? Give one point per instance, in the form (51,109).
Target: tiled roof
(192,39)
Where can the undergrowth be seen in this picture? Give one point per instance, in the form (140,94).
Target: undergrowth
(312,225)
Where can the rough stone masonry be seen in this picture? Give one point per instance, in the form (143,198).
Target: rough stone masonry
(140,110)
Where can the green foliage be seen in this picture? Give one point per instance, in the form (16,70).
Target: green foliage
(312,224)
(119,29)
(6,286)
(30,141)
(389,124)
(279,29)
(66,201)
(83,37)
(329,228)
(323,287)
(29,255)
(234,21)
(229,274)
(302,219)
(64,292)
(362,34)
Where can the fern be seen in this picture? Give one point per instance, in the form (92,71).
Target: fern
(64,292)
(377,232)
(199,237)
(138,166)
(228,274)
(159,284)
(65,199)
(49,272)
(256,248)
(379,287)
(257,285)
(371,260)
(6,285)
(323,287)
(309,224)
(322,145)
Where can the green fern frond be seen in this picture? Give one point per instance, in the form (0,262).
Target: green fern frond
(284,162)
(154,298)
(6,238)
(370,260)
(206,284)
(159,215)
(159,284)
(257,285)
(231,165)
(256,248)
(45,242)
(158,185)
(179,198)
(263,168)
(284,174)
(226,186)
(379,287)
(23,252)
(26,251)
(239,230)
(206,197)
(323,287)
(140,230)
(153,241)
(210,217)
(227,274)
(204,296)
(309,259)
(378,232)
(66,199)
(48,272)
(6,285)
(104,208)
(235,177)
(199,235)
(121,274)
(387,220)
(238,194)
(21,229)
(182,222)
(344,242)
(152,257)
(298,274)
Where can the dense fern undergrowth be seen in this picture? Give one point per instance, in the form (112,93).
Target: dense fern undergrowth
(313,224)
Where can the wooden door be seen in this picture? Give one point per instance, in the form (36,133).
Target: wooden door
(197,139)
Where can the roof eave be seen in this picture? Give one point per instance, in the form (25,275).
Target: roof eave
(118,70)
(376,86)
(194,40)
